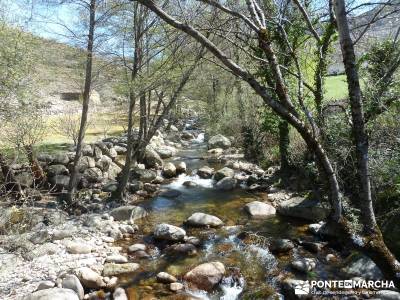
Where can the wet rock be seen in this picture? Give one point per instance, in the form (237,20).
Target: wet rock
(315,228)
(53,294)
(117,259)
(175,286)
(44,285)
(72,282)
(120,294)
(224,172)
(90,279)
(205,172)
(169,170)
(169,232)
(150,187)
(304,208)
(128,213)
(180,167)
(304,264)
(78,248)
(201,219)
(192,240)
(364,267)
(164,277)
(54,170)
(219,141)
(226,184)
(187,136)
(189,184)
(170,193)
(281,245)
(257,209)
(206,276)
(136,247)
(111,269)
(182,249)
(313,247)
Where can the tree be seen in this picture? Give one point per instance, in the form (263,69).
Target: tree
(297,115)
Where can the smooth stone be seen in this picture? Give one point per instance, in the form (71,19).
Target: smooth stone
(53,294)
(175,286)
(281,245)
(120,294)
(164,277)
(202,219)
(72,282)
(78,248)
(304,264)
(90,279)
(169,232)
(206,276)
(128,213)
(258,209)
(136,247)
(44,285)
(111,269)
(117,258)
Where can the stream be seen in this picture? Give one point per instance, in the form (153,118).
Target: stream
(253,272)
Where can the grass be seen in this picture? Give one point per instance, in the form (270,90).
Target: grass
(335,87)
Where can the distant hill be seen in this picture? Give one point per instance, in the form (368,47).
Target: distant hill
(386,26)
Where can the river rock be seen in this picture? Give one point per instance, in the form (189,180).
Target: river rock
(144,176)
(176,286)
(281,245)
(224,172)
(120,294)
(111,269)
(169,170)
(53,294)
(75,247)
(205,172)
(187,136)
(90,279)
(117,259)
(304,208)
(219,141)
(128,213)
(72,282)
(169,232)
(164,277)
(189,184)
(181,167)
(304,264)
(257,209)
(206,276)
(182,249)
(44,285)
(54,170)
(136,247)
(226,184)
(152,159)
(364,267)
(201,219)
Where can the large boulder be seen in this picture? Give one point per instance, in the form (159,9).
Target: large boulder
(364,267)
(180,167)
(304,264)
(54,170)
(169,170)
(165,151)
(205,172)
(61,159)
(93,175)
(113,171)
(224,172)
(72,282)
(206,276)
(143,175)
(53,294)
(128,213)
(90,279)
(201,219)
(219,141)
(103,163)
(305,208)
(257,209)
(152,159)
(187,136)
(85,162)
(226,184)
(169,232)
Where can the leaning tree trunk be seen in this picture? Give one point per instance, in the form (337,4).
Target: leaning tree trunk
(85,105)
(374,244)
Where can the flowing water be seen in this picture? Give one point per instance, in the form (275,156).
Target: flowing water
(253,271)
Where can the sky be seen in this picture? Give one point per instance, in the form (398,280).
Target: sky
(45,20)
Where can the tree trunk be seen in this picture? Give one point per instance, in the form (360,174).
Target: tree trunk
(374,244)
(284,146)
(85,104)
